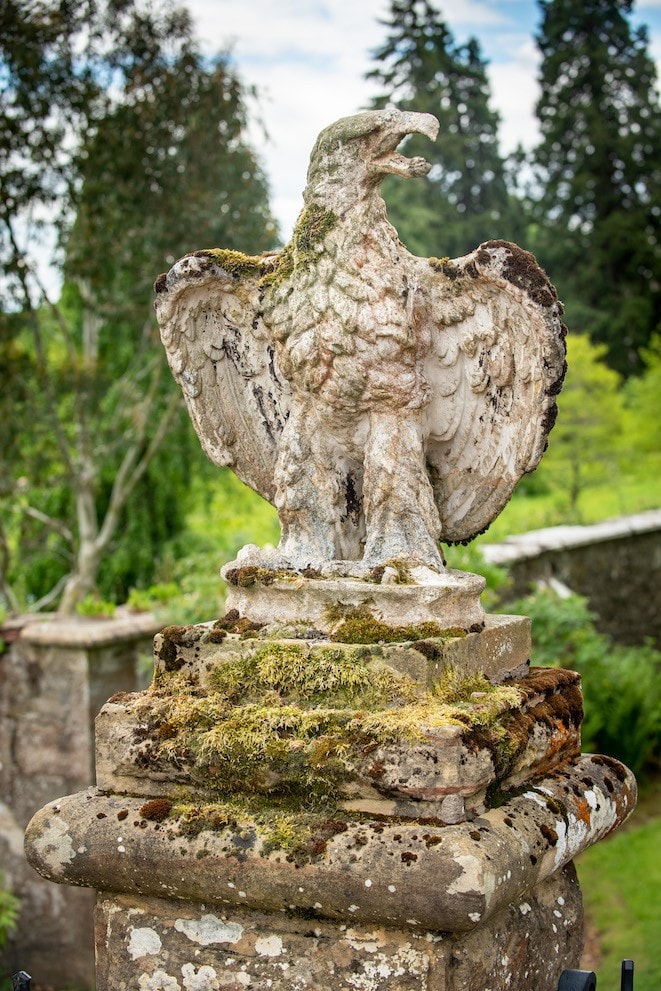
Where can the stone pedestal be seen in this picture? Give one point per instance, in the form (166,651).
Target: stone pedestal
(54,677)
(288,809)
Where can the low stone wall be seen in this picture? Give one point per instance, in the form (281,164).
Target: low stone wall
(616,565)
(54,677)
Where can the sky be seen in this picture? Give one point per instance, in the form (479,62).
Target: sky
(308,59)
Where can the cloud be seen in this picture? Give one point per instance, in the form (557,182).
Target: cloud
(308,60)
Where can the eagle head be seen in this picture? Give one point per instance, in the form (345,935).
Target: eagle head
(355,154)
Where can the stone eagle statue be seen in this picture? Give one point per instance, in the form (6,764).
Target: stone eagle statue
(382,402)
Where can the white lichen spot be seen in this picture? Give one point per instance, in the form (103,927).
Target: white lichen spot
(204,979)
(244,979)
(554,927)
(365,942)
(472,877)
(353,908)
(82,849)
(368,883)
(158,981)
(230,885)
(242,894)
(475,916)
(144,942)
(121,849)
(524,908)
(405,962)
(269,946)
(55,845)
(560,900)
(317,905)
(392,888)
(209,929)
(557,914)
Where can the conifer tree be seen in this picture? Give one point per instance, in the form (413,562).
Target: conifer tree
(599,171)
(464,200)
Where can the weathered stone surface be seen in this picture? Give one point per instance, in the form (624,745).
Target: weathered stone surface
(154,944)
(500,651)
(380,401)
(355,871)
(537,730)
(451,599)
(54,677)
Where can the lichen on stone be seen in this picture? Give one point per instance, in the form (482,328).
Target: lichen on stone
(284,719)
(312,226)
(235,263)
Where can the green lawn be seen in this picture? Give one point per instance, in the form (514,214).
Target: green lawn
(621,882)
(620,493)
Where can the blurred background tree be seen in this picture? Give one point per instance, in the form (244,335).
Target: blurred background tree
(596,200)
(465,200)
(110,120)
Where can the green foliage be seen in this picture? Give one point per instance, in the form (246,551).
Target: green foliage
(95,607)
(147,599)
(598,193)
(111,117)
(583,447)
(9,907)
(621,880)
(465,200)
(621,684)
(642,400)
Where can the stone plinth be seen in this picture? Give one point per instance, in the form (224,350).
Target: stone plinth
(299,811)
(54,677)
(148,942)
(419,595)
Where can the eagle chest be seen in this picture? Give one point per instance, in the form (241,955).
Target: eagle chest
(344,322)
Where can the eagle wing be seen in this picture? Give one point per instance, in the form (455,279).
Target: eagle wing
(496,363)
(221,354)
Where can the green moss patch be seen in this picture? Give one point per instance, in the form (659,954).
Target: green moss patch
(357,625)
(312,226)
(238,265)
(294,723)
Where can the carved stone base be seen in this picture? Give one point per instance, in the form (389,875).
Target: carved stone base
(451,598)
(153,944)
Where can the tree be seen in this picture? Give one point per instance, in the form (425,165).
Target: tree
(465,199)
(583,445)
(116,135)
(598,168)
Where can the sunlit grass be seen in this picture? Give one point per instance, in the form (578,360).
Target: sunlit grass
(619,493)
(621,882)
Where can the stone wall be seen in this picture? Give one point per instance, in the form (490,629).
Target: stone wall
(54,677)
(616,565)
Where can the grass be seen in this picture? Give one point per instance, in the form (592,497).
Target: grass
(621,882)
(620,493)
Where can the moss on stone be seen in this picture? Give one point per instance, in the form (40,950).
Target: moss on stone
(235,263)
(357,625)
(312,226)
(287,720)
(264,825)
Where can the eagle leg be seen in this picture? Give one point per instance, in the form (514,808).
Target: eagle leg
(401,517)
(311,493)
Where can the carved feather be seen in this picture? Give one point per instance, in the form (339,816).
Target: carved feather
(224,360)
(496,364)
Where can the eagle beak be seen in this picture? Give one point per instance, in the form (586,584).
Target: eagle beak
(389,161)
